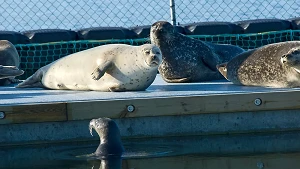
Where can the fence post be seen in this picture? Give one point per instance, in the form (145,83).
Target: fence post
(172,10)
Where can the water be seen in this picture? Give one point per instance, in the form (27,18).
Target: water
(273,150)
(76,14)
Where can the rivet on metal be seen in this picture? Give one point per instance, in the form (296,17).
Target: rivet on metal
(2,115)
(130,108)
(257,102)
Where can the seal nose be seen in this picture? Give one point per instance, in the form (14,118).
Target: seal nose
(154,57)
(154,60)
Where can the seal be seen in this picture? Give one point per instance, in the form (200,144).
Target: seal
(274,65)
(110,138)
(9,63)
(9,72)
(113,67)
(185,59)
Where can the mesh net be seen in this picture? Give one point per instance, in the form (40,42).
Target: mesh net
(34,56)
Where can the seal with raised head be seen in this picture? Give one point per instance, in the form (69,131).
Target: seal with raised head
(185,59)
(273,65)
(9,63)
(113,67)
(110,138)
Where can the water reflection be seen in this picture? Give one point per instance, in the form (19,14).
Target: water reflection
(272,150)
(111,163)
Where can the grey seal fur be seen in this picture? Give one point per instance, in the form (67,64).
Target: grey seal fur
(110,138)
(113,67)
(9,72)
(9,63)
(274,65)
(185,59)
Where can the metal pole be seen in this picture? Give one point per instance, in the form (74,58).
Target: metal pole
(172,10)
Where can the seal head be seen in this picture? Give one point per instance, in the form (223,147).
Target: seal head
(152,55)
(110,138)
(292,59)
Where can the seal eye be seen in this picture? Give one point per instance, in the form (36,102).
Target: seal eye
(147,52)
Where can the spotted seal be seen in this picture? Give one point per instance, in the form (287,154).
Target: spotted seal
(185,59)
(273,65)
(9,62)
(110,138)
(113,67)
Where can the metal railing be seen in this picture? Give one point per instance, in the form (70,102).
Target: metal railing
(20,15)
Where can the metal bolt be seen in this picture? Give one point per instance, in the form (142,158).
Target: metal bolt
(260,165)
(2,115)
(257,102)
(130,108)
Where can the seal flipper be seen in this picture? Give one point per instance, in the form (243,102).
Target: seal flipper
(116,88)
(210,62)
(181,80)
(33,81)
(9,71)
(101,69)
(223,69)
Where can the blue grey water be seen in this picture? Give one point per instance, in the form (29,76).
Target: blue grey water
(17,15)
(220,151)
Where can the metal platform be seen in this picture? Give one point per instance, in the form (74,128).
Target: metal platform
(159,89)
(164,109)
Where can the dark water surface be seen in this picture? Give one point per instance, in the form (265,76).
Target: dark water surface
(273,150)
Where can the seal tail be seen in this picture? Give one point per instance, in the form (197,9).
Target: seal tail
(223,69)
(32,81)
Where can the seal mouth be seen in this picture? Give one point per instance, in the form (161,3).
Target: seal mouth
(153,61)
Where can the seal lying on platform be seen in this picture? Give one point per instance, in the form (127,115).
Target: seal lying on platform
(110,139)
(9,72)
(114,67)
(9,62)
(185,59)
(273,65)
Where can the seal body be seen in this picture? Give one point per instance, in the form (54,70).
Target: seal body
(113,67)
(185,59)
(9,63)
(273,65)
(110,138)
